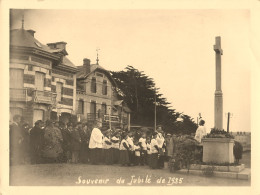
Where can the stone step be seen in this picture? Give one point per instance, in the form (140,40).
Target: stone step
(244,174)
(236,169)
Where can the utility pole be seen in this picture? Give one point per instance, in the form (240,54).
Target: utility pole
(229,115)
(228,122)
(109,117)
(154,108)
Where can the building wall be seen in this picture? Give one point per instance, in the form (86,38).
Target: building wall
(87,96)
(68,92)
(31,64)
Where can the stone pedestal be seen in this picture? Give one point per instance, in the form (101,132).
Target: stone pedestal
(218,150)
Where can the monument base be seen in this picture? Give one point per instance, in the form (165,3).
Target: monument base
(218,150)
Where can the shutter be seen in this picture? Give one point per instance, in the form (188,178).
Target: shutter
(39,81)
(104,87)
(81,107)
(16,78)
(59,90)
(93,85)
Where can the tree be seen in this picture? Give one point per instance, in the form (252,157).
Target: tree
(139,92)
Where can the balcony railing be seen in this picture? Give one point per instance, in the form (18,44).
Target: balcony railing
(18,94)
(113,118)
(92,116)
(104,118)
(45,97)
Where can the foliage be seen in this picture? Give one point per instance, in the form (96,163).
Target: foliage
(216,133)
(139,93)
(187,152)
(238,151)
(208,171)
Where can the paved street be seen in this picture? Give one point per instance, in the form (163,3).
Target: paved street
(93,175)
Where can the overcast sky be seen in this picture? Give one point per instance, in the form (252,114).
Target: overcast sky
(174,47)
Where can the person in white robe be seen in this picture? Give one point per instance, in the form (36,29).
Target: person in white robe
(95,144)
(201,131)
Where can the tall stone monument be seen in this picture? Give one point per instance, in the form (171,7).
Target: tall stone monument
(218,92)
(218,150)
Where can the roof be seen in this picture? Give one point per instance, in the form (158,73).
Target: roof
(93,67)
(118,102)
(67,62)
(22,38)
(126,109)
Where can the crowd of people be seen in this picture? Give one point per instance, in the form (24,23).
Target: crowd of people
(59,142)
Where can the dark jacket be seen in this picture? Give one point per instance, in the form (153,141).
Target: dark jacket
(75,140)
(36,138)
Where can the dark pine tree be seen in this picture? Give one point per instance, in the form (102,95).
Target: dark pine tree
(138,91)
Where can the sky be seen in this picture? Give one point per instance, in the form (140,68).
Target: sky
(174,47)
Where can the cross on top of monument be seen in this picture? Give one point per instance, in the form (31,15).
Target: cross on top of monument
(217,46)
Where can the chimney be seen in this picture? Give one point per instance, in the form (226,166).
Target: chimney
(57,45)
(61,45)
(31,32)
(86,65)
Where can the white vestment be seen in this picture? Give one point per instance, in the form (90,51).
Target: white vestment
(96,139)
(200,132)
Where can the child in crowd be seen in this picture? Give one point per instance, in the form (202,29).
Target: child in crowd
(115,147)
(143,147)
(108,155)
(148,144)
(124,148)
(137,153)
(154,152)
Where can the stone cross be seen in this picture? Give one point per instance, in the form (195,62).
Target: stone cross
(218,92)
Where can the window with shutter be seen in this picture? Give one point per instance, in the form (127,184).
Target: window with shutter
(93,85)
(93,107)
(39,81)
(104,87)
(59,89)
(16,78)
(81,107)
(104,108)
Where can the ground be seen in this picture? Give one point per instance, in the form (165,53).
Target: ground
(246,159)
(68,175)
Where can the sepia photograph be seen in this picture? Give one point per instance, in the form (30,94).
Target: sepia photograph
(130,97)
